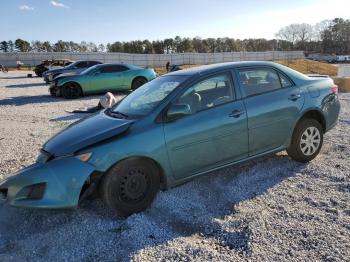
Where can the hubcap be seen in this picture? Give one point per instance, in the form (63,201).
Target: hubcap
(310,141)
(134,185)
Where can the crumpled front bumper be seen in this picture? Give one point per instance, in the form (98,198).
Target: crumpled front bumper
(59,181)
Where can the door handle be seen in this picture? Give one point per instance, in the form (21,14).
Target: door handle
(294,97)
(236,113)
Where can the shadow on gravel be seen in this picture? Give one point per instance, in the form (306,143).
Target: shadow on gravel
(206,209)
(70,117)
(27,85)
(13,77)
(24,100)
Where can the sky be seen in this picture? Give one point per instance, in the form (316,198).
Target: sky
(107,21)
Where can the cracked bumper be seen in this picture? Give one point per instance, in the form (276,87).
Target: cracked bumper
(62,180)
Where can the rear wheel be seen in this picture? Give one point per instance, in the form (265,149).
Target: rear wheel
(307,140)
(130,186)
(137,82)
(71,90)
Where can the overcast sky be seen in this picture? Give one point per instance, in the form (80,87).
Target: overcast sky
(103,21)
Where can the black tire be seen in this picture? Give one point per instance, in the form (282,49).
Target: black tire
(306,141)
(52,92)
(137,82)
(71,90)
(130,186)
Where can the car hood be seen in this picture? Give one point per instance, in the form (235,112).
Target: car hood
(55,71)
(64,75)
(86,132)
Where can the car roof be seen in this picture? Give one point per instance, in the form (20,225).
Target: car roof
(120,64)
(207,69)
(88,61)
(219,66)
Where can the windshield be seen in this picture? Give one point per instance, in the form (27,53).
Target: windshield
(71,65)
(88,70)
(144,99)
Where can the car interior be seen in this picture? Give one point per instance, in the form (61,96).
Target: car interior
(259,81)
(208,93)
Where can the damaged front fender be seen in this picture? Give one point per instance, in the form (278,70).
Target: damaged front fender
(61,181)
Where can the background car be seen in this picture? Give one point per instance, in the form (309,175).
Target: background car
(74,68)
(51,64)
(176,127)
(101,78)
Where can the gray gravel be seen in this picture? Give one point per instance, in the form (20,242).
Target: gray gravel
(270,209)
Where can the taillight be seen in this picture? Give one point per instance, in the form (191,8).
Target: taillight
(334,89)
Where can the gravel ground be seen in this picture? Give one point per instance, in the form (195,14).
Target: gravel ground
(270,209)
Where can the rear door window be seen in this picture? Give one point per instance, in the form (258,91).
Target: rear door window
(259,80)
(285,82)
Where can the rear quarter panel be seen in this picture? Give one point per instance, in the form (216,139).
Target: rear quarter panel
(318,96)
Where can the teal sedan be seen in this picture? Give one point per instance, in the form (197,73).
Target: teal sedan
(175,128)
(100,79)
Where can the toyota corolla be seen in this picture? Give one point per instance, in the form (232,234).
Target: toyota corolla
(177,127)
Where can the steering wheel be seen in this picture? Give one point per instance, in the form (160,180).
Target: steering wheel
(221,100)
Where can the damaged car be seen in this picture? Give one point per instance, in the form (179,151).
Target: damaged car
(51,64)
(73,68)
(177,127)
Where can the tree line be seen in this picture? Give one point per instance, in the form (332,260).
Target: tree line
(329,36)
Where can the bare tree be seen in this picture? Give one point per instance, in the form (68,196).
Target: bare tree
(289,33)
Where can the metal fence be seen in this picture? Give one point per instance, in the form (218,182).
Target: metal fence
(151,60)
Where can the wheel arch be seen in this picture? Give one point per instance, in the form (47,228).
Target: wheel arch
(73,82)
(163,177)
(314,114)
(138,76)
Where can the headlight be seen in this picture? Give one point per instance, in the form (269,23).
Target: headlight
(84,157)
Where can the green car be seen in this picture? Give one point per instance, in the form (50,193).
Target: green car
(100,79)
(177,127)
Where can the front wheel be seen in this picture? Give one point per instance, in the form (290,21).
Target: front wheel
(307,141)
(137,82)
(130,186)
(71,91)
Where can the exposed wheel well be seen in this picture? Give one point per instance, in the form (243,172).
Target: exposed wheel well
(317,115)
(96,178)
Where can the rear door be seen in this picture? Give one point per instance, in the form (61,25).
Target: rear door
(273,103)
(213,134)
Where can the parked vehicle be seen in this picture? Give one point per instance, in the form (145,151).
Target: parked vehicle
(100,79)
(177,127)
(74,68)
(3,69)
(51,64)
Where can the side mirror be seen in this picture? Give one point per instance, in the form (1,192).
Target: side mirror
(177,111)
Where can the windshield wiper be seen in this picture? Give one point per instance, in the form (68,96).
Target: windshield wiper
(117,114)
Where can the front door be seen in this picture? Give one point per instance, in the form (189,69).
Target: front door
(213,134)
(108,78)
(273,103)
